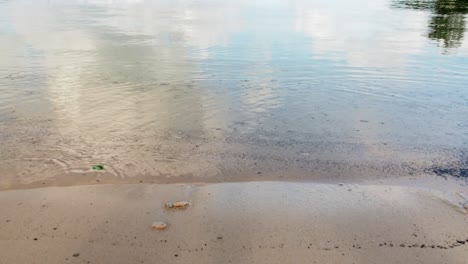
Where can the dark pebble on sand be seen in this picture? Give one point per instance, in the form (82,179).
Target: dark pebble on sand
(76,255)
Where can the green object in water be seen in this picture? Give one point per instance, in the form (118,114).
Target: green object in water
(98,167)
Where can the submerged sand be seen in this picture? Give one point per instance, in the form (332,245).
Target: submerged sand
(250,222)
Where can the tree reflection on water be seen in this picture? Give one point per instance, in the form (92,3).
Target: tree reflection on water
(447,24)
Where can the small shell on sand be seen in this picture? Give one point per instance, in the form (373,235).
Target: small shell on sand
(180,204)
(159,226)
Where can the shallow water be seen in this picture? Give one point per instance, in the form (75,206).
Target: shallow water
(171,91)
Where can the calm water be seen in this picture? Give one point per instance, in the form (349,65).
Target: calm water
(215,90)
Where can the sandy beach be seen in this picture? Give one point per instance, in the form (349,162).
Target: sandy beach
(326,131)
(249,222)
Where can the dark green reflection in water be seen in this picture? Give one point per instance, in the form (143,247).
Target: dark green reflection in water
(447,24)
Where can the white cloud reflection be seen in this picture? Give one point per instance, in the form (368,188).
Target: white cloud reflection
(366,33)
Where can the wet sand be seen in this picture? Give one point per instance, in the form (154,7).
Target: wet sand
(250,222)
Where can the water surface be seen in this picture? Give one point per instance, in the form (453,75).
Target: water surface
(214,90)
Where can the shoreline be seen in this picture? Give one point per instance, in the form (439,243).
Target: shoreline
(243,222)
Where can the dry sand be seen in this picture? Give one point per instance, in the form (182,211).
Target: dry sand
(250,222)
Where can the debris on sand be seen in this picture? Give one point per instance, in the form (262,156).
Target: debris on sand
(181,204)
(456,171)
(98,167)
(159,226)
(465,205)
